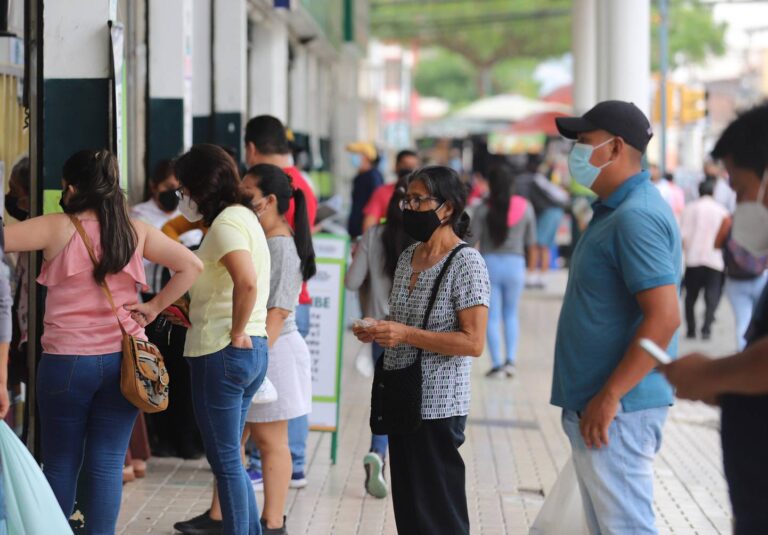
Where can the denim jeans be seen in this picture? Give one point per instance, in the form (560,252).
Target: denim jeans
(379,443)
(86,424)
(507,275)
(616,481)
(223,384)
(743,296)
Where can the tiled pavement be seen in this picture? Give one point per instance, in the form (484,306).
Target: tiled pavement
(514,449)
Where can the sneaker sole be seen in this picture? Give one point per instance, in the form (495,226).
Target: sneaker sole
(298,483)
(375,486)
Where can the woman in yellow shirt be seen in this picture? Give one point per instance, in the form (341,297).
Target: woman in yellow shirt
(226,346)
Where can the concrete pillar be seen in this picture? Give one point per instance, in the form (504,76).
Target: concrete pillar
(584,46)
(628,44)
(268,69)
(230,49)
(76,91)
(299,109)
(170,79)
(603,51)
(202,94)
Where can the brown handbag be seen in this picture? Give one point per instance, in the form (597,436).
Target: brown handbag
(143,376)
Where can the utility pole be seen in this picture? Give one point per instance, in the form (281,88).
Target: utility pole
(664,65)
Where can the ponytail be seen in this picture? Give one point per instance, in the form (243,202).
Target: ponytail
(272,180)
(302,236)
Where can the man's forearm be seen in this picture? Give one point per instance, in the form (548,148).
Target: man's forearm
(743,373)
(636,363)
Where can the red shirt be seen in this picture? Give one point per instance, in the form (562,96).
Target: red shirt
(379,202)
(299,183)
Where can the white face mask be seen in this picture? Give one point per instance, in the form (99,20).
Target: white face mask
(750,223)
(188,209)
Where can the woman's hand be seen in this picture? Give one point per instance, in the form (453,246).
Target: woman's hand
(389,333)
(143,313)
(242,340)
(361,329)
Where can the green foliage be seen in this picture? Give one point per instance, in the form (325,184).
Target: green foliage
(693,33)
(446,75)
(507,38)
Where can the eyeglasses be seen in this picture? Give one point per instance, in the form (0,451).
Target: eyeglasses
(179,193)
(414,203)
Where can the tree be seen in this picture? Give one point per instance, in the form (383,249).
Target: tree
(499,38)
(693,33)
(485,32)
(446,75)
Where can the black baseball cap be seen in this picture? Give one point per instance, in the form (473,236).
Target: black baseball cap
(622,119)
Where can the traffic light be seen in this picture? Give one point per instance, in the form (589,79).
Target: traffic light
(693,104)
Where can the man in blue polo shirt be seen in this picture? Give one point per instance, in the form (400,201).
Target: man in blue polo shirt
(623,286)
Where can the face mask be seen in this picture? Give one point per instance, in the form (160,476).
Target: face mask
(188,209)
(12,207)
(356,160)
(168,200)
(421,225)
(750,223)
(62,203)
(581,170)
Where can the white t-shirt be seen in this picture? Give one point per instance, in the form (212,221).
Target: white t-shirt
(700,224)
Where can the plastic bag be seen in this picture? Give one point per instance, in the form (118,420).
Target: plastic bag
(364,361)
(267,393)
(31,507)
(562,507)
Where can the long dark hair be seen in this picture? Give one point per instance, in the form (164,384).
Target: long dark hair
(393,238)
(96,180)
(501,185)
(271,180)
(444,184)
(212,178)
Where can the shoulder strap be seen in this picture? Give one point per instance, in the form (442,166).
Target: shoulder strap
(105,288)
(438,280)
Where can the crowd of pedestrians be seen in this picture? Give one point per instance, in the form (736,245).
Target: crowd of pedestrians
(213,268)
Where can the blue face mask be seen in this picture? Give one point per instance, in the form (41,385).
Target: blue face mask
(581,170)
(356,160)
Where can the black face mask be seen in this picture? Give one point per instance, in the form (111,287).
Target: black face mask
(12,207)
(62,203)
(168,200)
(421,225)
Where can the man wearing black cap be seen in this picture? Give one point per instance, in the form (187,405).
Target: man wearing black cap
(623,286)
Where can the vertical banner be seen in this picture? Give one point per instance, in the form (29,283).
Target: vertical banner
(327,330)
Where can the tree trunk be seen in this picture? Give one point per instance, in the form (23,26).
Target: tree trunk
(484,80)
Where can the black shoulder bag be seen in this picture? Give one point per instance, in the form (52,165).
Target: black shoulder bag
(396,394)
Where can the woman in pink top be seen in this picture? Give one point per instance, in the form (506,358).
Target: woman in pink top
(85,420)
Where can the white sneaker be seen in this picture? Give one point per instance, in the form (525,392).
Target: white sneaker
(265,394)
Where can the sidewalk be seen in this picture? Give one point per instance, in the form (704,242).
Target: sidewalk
(514,449)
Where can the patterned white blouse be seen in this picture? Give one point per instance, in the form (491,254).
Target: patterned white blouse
(446,379)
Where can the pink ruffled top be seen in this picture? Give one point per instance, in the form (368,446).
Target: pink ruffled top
(78,318)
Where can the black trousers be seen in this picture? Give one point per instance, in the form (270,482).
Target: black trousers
(174,430)
(428,481)
(711,281)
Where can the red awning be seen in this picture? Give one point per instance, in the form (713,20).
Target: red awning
(538,123)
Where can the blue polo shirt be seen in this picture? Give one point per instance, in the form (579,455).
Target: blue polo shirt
(632,244)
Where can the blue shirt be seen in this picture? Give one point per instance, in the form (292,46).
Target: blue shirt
(632,244)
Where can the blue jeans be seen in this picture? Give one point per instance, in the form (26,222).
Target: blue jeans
(85,423)
(223,384)
(379,443)
(507,275)
(616,481)
(743,296)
